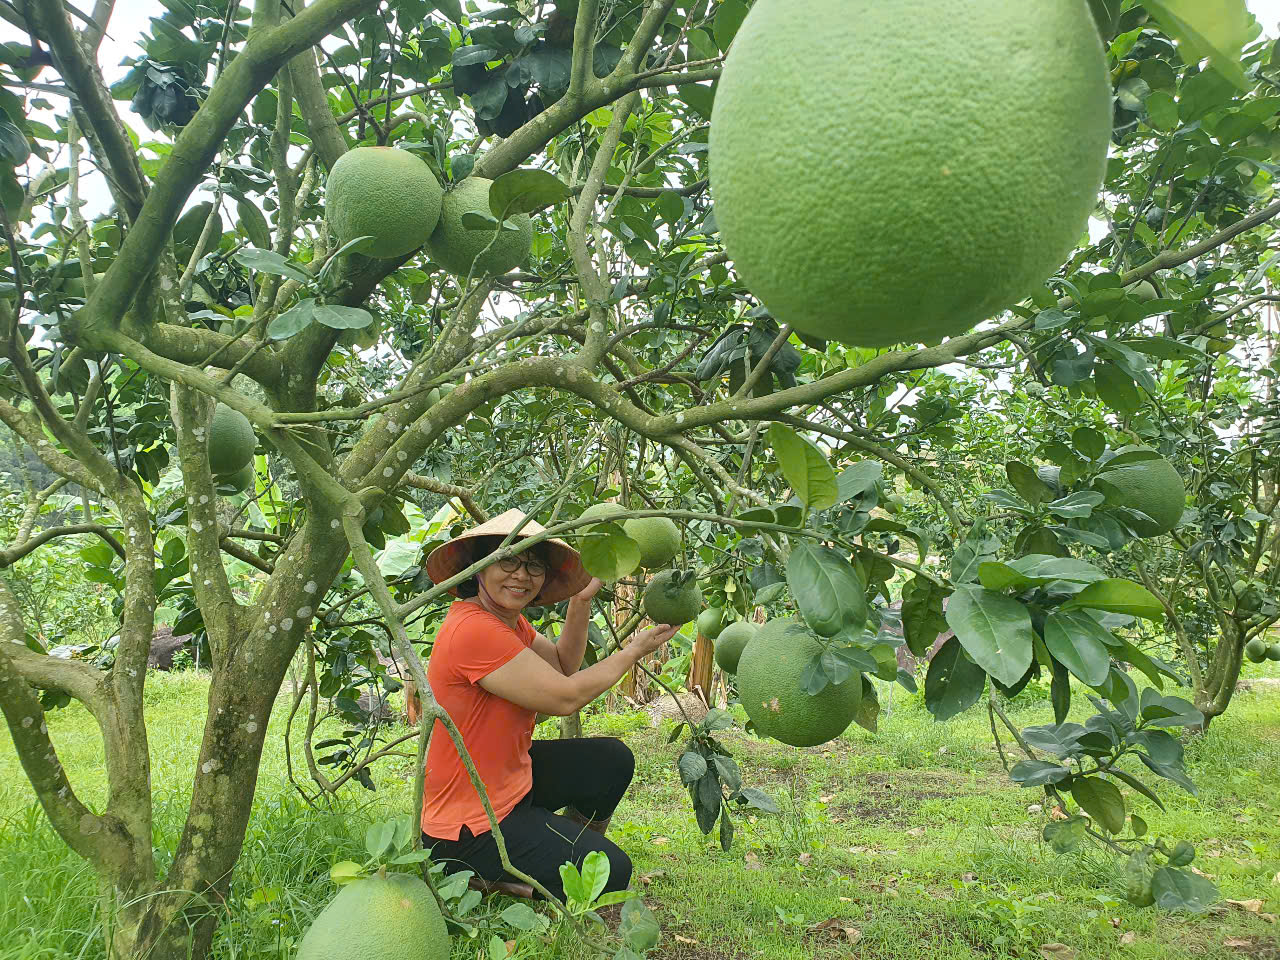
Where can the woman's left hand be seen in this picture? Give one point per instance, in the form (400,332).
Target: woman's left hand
(589,591)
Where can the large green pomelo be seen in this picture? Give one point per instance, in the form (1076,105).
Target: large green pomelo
(463,252)
(1150,486)
(379,918)
(771,691)
(732,641)
(386,194)
(658,537)
(1256,650)
(231,441)
(896,172)
(671,599)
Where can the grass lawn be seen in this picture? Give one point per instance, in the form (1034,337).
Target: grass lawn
(908,843)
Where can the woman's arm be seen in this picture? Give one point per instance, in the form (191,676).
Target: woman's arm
(572,643)
(530,682)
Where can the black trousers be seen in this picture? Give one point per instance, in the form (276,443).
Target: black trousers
(590,775)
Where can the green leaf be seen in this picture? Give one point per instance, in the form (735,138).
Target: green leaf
(480,221)
(954,682)
(693,767)
(1176,889)
(595,874)
(994,629)
(758,799)
(342,318)
(868,714)
(268,261)
(1029,486)
(293,321)
(922,616)
(1089,442)
(1118,596)
(1036,773)
(526,191)
(610,556)
(345,871)
(1213,29)
(638,927)
(726,829)
(571,881)
(805,468)
(1044,568)
(1102,800)
(1073,639)
(1183,853)
(826,588)
(1063,836)
(254,223)
(729,17)
(379,837)
(1075,505)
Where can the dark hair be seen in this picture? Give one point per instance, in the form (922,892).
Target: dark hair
(481,547)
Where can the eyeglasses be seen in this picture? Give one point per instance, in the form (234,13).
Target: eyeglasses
(535,568)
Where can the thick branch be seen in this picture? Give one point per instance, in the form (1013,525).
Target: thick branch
(15,553)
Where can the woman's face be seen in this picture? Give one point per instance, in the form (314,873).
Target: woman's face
(515,589)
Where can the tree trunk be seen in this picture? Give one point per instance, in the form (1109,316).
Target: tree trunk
(571,726)
(1218,684)
(701,669)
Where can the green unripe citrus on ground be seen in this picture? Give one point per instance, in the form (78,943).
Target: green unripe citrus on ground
(241,480)
(658,537)
(1273,652)
(386,194)
(231,441)
(770,687)
(378,918)
(732,641)
(907,169)
(711,622)
(1256,650)
(1150,486)
(463,252)
(672,596)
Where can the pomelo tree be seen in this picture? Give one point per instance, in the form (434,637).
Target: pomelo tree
(624,345)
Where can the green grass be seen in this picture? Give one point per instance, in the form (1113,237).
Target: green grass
(913,838)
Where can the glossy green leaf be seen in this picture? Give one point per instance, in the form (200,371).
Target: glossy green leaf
(1213,29)
(1118,596)
(1073,639)
(954,682)
(994,629)
(1102,800)
(826,588)
(805,468)
(526,191)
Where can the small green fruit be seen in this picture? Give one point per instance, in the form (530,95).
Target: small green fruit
(658,538)
(711,622)
(732,641)
(1256,650)
(672,597)
(231,441)
(1273,652)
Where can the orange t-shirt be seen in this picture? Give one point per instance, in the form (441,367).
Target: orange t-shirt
(471,644)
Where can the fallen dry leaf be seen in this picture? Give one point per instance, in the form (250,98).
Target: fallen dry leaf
(1057,814)
(1238,943)
(826,798)
(1057,951)
(659,841)
(1115,922)
(680,939)
(1035,808)
(837,819)
(1251,906)
(752,861)
(857,849)
(969,878)
(916,832)
(648,878)
(852,934)
(1201,873)
(805,859)
(846,899)
(1269,917)
(1128,938)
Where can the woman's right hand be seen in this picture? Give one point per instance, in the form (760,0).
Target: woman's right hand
(648,641)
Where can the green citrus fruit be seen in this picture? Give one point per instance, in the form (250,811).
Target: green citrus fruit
(1256,650)
(672,596)
(658,537)
(1150,486)
(1143,290)
(241,480)
(378,918)
(471,252)
(231,441)
(907,169)
(771,688)
(601,511)
(385,194)
(711,622)
(732,641)
(1273,652)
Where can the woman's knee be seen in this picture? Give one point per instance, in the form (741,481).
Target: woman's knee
(620,870)
(617,757)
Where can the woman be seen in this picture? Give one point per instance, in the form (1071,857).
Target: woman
(493,673)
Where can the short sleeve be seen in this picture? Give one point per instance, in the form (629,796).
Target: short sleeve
(484,644)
